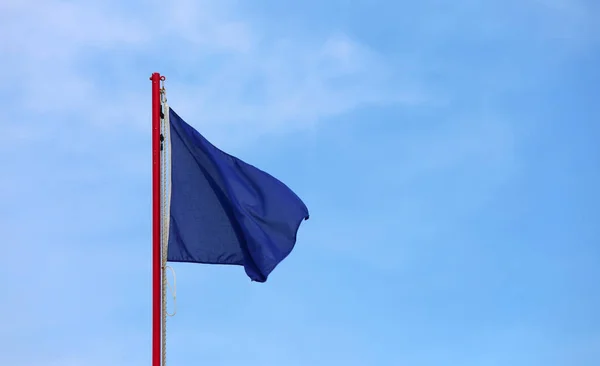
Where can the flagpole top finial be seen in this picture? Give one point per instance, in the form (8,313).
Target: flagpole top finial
(157,74)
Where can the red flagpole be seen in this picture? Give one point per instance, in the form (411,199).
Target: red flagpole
(156,250)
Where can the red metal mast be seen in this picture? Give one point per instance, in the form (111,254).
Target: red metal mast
(156,249)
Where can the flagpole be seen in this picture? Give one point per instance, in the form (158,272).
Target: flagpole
(156,248)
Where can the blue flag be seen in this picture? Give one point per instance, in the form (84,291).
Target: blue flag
(224,211)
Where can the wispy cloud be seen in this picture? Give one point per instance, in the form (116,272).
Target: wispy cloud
(92,61)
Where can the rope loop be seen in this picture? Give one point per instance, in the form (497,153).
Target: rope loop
(173,290)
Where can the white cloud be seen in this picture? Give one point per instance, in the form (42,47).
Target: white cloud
(92,60)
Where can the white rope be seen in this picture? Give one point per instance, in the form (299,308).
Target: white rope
(165,213)
(167,209)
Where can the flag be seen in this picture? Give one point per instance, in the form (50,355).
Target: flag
(223,210)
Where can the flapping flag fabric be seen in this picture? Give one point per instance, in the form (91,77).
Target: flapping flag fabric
(223,210)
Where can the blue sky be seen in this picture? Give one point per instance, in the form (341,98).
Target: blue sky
(448,153)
